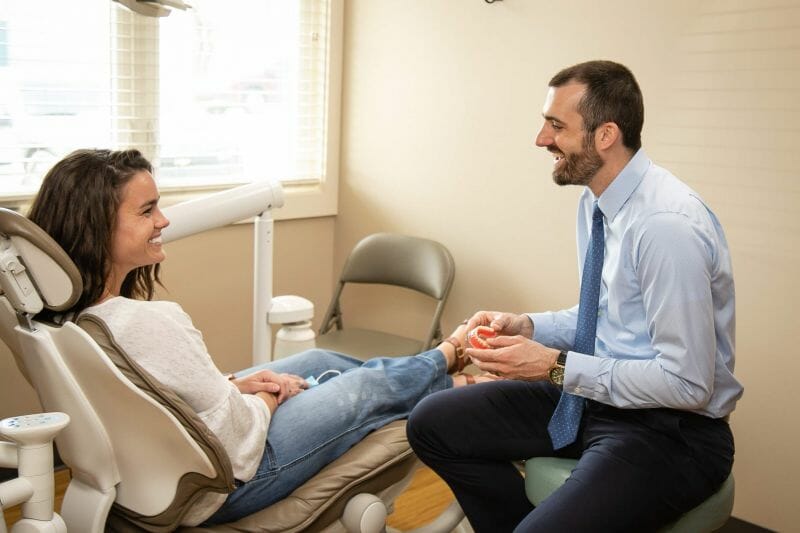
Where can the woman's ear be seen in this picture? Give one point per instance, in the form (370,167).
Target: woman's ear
(606,135)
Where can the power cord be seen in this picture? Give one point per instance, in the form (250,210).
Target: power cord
(314,381)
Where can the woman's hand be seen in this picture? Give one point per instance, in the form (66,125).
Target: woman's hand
(294,385)
(283,386)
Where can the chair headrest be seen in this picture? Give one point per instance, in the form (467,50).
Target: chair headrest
(35,272)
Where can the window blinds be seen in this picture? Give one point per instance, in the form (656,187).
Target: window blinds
(223,93)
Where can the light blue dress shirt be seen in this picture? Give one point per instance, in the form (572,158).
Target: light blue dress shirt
(666,320)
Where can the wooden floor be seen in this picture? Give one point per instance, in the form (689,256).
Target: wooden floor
(425,498)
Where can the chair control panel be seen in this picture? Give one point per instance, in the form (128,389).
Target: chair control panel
(33,429)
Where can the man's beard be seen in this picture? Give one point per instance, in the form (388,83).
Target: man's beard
(580,168)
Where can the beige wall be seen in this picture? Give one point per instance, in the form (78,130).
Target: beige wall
(441,104)
(212,277)
(442,100)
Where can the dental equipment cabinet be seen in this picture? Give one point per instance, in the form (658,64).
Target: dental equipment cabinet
(27,441)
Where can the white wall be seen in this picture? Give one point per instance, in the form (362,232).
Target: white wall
(442,100)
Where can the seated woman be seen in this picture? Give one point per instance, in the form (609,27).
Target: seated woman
(101,206)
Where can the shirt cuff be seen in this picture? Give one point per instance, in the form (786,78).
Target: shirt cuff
(585,375)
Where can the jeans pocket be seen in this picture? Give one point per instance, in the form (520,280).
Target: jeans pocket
(269,465)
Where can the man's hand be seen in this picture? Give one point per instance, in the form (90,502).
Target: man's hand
(507,324)
(515,357)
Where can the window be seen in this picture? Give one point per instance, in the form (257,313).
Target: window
(220,94)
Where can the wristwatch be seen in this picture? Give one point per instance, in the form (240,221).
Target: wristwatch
(556,373)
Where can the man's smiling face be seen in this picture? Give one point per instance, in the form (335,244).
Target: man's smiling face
(575,159)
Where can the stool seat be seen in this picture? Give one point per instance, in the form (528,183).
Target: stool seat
(543,475)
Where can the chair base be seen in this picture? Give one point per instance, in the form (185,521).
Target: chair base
(543,475)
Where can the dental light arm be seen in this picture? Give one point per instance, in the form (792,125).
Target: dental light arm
(226,207)
(222,208)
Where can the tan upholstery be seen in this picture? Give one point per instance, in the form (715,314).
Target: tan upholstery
(383,458)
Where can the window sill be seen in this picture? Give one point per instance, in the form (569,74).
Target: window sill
(299,200)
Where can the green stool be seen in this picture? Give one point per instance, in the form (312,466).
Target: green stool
(543,475)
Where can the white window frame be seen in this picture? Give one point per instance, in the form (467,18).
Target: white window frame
(322,198)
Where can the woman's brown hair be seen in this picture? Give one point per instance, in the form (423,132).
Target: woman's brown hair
(77,205)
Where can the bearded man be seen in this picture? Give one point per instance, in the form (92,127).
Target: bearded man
(636,381)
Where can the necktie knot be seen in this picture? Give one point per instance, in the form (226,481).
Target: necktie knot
(597,214)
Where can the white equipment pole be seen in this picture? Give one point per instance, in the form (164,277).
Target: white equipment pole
(263,227)
(226,207)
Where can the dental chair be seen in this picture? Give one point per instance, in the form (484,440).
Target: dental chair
(421,265)
(140,458)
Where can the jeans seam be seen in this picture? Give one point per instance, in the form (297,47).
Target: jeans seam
(297,460)
(432,357)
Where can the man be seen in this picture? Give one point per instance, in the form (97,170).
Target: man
(637,380)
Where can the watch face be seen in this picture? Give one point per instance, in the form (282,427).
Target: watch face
(557,375)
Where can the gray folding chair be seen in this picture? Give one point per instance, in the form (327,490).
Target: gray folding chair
(422,265)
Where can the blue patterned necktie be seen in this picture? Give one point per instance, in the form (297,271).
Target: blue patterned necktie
(563,426)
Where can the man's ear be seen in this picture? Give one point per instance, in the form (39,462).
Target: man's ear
(607,135)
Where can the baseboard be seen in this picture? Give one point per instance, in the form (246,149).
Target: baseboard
(7,473)
(736,525)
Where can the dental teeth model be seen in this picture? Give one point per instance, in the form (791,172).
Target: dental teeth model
(477,336)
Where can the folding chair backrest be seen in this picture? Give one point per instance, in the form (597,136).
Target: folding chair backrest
(422,265)
(412,262)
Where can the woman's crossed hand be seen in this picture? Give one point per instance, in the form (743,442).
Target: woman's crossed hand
(282,386)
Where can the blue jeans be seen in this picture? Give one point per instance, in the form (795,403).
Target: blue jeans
(318,425)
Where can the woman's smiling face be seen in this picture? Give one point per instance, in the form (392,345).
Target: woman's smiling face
(136,241)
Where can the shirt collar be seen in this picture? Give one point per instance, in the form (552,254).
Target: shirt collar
(621,188)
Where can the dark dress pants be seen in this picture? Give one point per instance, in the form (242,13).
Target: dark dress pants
(639,469)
